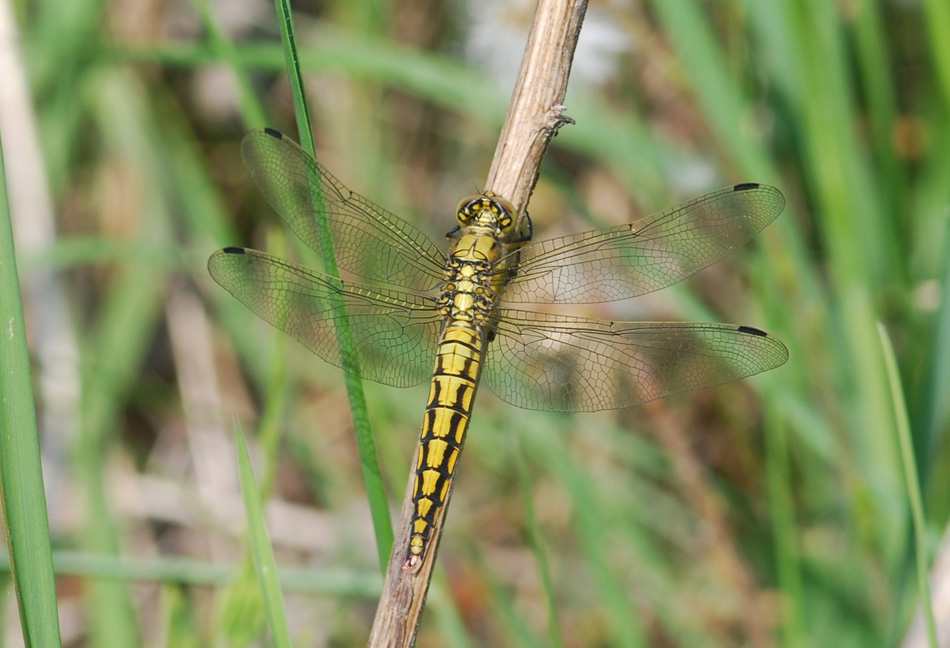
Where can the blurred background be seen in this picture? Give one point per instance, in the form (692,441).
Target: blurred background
(770,512)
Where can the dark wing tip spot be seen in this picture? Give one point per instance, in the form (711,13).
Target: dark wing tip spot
(746,186)
(274,133)
(233,250)
(751,330)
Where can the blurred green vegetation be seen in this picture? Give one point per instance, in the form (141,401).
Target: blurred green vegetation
(771,512)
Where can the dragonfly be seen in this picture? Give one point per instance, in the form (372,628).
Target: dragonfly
(444,317)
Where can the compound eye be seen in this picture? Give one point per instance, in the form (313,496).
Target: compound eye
(465,212)
(505,218)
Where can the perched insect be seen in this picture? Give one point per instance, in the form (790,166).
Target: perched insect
(530,359)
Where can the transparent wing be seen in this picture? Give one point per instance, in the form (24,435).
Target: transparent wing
(394,334)
(652,253)
(573,364)
(367,240)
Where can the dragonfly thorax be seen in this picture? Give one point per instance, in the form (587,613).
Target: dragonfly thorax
(466,293)
(472,282)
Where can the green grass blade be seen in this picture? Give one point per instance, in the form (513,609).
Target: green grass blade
(902,425)
(933,410)
(856,229)
(372,476)
(250,105)
(264,564)
(292,65)
(186,571)
(178,619)
(873,62)
(937,23)
(21,474)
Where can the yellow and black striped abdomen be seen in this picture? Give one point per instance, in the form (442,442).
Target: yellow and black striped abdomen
(469,292)
(451,393)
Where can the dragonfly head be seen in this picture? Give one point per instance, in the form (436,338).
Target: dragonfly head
(488,211)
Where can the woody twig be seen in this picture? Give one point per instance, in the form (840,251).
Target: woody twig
(534,115)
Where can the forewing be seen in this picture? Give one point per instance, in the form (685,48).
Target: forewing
(367,240)
(652,253)
(394,334)
(561,363)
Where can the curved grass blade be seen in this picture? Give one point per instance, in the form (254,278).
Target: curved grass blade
(911,481)
(21,474)
(264,564)
(372,476)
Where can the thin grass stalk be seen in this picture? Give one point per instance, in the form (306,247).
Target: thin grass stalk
(329,581)
(372,476)
(874,68)
(933,412)
(911,482)
(264,564)
(937,23)
(252,110)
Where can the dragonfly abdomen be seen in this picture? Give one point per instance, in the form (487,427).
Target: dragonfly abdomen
(452,390)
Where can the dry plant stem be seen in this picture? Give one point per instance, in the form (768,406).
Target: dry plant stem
(534,115)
